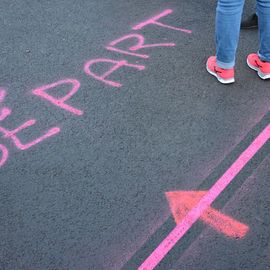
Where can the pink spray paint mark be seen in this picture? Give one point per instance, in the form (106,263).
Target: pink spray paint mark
(12,135)
(140,45)
(116,66)
(195,213)
(60,102)
(5,112)
(154,20)
(2,94)
(4,156)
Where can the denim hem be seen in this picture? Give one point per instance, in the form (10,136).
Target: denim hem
(225,65)
(263,58)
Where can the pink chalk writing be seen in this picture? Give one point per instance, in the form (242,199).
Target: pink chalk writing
(4,155)
(4,113)
(111,66)
(60,102)
(116,66)
(12,135)
(44,90)
(154,20)
(133,50)
(2,94)
(205,202)
(138,46)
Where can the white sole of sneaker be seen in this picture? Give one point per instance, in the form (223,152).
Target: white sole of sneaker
(221,80)
(260,74)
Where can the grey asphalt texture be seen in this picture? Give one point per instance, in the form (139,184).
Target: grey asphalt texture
(92,197)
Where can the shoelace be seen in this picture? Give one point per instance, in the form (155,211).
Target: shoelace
(217,71)
(258,64)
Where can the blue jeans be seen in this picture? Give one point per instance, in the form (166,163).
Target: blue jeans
(228,20)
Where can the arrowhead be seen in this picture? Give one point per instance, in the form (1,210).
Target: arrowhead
(181,202)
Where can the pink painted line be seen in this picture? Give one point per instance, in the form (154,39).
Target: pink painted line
(194,214)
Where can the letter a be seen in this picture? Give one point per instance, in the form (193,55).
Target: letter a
(116,66)
(60,102)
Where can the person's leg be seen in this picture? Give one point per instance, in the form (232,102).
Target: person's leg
(261,61)
(263,11)
(228,20)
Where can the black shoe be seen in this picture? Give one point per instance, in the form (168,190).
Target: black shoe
(250,22)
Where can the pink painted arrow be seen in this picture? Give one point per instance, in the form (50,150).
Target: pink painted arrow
(205,202)
(181,202)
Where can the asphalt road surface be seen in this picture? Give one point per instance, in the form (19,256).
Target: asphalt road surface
(90,147)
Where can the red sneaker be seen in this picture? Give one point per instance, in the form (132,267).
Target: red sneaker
(262,68)
(224,76)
